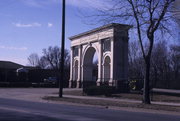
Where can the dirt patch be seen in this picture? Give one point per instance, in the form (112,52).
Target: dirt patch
(73,92)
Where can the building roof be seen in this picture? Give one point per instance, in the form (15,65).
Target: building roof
(100,28)
(9,65)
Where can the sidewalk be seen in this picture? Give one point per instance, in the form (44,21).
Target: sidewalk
(120,100)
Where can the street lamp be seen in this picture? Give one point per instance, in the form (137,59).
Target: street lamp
(62,51)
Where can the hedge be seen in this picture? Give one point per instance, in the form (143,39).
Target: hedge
(99,90)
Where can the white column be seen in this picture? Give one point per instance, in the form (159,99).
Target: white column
(111,63)
(71,68)
(73,71)
(103,77)
(99,64)
(79,66)
(82,74)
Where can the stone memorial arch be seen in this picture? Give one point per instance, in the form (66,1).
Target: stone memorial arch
(110,42)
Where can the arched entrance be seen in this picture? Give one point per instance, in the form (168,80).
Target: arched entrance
(89,69)
(107,69)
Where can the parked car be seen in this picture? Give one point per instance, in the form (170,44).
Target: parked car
(51,80)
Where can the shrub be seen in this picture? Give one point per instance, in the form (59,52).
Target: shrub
(19,84)
(99,90)
(136,84)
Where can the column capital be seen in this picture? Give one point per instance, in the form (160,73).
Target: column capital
(79,46)
(100,41)
(111,38)
(90,44)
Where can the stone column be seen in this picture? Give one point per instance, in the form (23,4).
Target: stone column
(79,67)
(111,83)
(82,74)
(103,77)
(71,68)
(100,64)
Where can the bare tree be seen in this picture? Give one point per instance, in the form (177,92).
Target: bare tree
(43,63)
(165,65)
(50,59)
(160,68)
(176,11)
(136,68)
(33,60)
(51,56)
(147,17)
(175,59)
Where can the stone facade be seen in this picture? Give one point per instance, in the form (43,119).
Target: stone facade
(110,42)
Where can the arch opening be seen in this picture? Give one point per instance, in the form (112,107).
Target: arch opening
(90,65)
(107,69)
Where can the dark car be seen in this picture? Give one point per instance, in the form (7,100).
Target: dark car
(52,80)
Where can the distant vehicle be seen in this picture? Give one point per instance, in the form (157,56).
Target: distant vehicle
(51,80)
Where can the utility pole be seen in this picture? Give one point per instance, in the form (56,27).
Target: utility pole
(62,51)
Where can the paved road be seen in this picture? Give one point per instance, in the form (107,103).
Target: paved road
(19,110)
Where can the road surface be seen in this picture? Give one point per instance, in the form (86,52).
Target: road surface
(20,110)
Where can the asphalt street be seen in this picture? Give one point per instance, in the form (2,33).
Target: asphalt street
(19,110)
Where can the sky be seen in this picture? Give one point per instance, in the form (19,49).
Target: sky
(28,26)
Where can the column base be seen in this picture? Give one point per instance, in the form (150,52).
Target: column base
(98,82)
(111,83)
(70,83)
(78,85)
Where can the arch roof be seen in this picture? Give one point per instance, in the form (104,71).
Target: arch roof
(99,29)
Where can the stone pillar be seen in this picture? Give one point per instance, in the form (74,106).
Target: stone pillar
(100,64)
(74,73)
(111,83)
(103,77)
(82,74)
(71,68)
(79,66)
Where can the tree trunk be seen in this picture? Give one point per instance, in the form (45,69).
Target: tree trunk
(146,90)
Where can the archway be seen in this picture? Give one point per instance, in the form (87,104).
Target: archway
(90,67)
(111,44)
(107,69)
